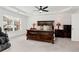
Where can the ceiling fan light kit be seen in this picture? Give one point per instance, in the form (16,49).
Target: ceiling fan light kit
(42,9)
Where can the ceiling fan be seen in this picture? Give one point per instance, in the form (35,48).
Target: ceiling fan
(41,9)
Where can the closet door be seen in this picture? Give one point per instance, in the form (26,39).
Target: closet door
(75,27)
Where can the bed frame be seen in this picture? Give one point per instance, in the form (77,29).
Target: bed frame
(42,35)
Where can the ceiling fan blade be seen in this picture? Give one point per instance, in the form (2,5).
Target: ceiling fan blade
(45,10)
(45,7)
(37,7)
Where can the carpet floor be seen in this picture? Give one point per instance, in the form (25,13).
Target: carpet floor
(20,44)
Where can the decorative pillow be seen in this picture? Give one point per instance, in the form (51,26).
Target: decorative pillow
(45,28)
(39,27)
(48,28)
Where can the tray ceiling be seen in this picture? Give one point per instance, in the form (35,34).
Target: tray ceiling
(31,10)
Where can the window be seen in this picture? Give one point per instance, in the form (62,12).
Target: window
(11,23)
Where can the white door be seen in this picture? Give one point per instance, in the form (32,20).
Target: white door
(75,27)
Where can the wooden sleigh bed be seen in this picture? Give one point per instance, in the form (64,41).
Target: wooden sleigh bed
(42,35)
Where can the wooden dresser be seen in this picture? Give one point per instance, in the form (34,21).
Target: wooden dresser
(65,33)
(42,35)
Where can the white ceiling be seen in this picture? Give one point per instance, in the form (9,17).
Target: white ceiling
(30,10)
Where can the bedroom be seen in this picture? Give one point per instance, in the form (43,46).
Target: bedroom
(29,15)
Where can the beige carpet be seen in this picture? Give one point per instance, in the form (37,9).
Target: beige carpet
(20,44)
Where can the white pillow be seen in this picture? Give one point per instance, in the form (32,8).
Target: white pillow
(45,28)
(39,27)
(48,28)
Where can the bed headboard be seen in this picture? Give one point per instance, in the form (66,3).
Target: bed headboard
(41,23)
(48,23)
